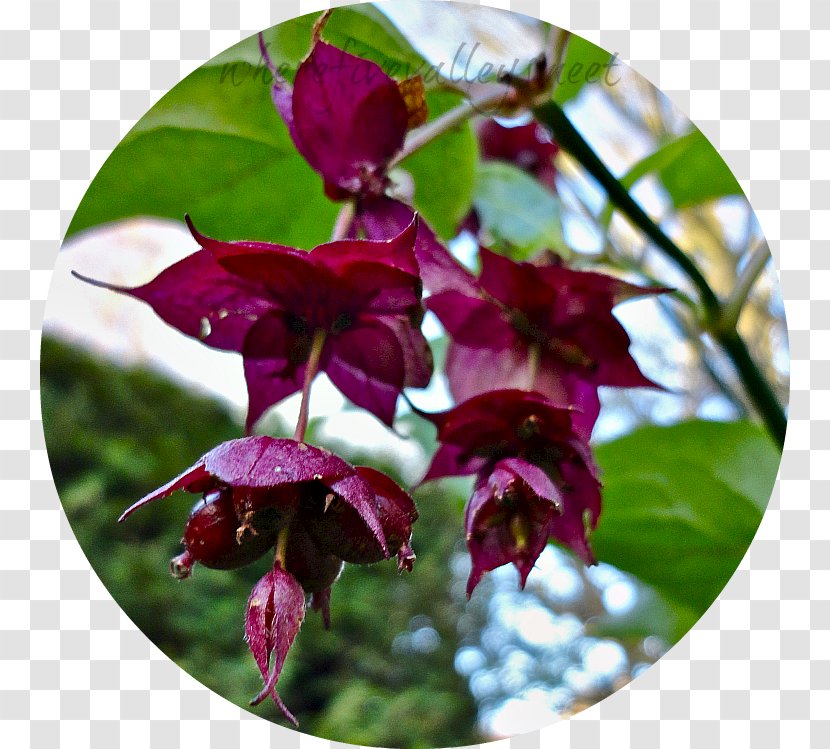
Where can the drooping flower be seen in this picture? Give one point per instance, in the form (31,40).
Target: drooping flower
(528,147)
(274,613)
(317,510)
(382,217)
(536,477)
(361,298)
(509,517)
(347,118)
(547,328)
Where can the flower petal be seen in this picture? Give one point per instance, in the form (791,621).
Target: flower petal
(266,462)
(275,611)
(417,354)
(582,504)
(202,300)
(528,146)
(197,475)
(349,117)
(220,249)
(472,321)
(472,370)
(535,478)
(275,355)
(453,460)
(397,251)
(358,494)
(396,512)
(367,364)
(381,218)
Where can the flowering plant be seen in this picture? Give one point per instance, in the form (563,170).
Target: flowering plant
(533,343)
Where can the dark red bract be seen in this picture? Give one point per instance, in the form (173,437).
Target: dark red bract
(346,117)
(528,147)
(536,477)
(546,328)
(319,512)
(267,301)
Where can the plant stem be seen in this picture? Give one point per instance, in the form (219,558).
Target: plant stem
(311,369)
(569,138)
(757,387)
(282,544)
(557,48)
(534,357)
(446,122)
(735,303)
(343,221)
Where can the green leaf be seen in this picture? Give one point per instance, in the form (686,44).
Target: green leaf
(445,170)
(215,147)
(699,174)
(690,168)
(522,215)
(584,63)
(681,505)
(220,152)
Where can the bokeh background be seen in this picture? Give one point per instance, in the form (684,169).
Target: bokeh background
(127,404)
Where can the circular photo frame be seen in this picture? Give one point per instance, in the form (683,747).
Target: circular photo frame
(466,345)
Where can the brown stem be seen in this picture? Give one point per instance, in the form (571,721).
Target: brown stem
(425,134)
(282,543)
(343,221)
(312,367)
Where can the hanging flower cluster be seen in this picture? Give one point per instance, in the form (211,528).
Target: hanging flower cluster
(531,344)
(319,512)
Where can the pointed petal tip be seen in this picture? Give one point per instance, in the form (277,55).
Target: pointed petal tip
(99,284)
(198,236)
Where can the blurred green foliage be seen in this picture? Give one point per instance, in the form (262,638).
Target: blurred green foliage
(215,147)
(113,434)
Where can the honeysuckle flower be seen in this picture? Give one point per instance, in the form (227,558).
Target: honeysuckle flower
(347,118)
(359,299)
(382,217)
(521,446)
(273,615)
(314,508)
(509,517)
(528,147)
(546,328)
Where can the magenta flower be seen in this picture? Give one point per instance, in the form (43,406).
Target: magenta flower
(359,299)
(316,509)
(383,217)
(547,328)
(346,117)
(509,517)
(528,147)
(536,478)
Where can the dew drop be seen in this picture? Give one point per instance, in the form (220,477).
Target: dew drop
(204,328)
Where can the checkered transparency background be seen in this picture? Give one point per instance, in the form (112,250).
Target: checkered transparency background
(75,75)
